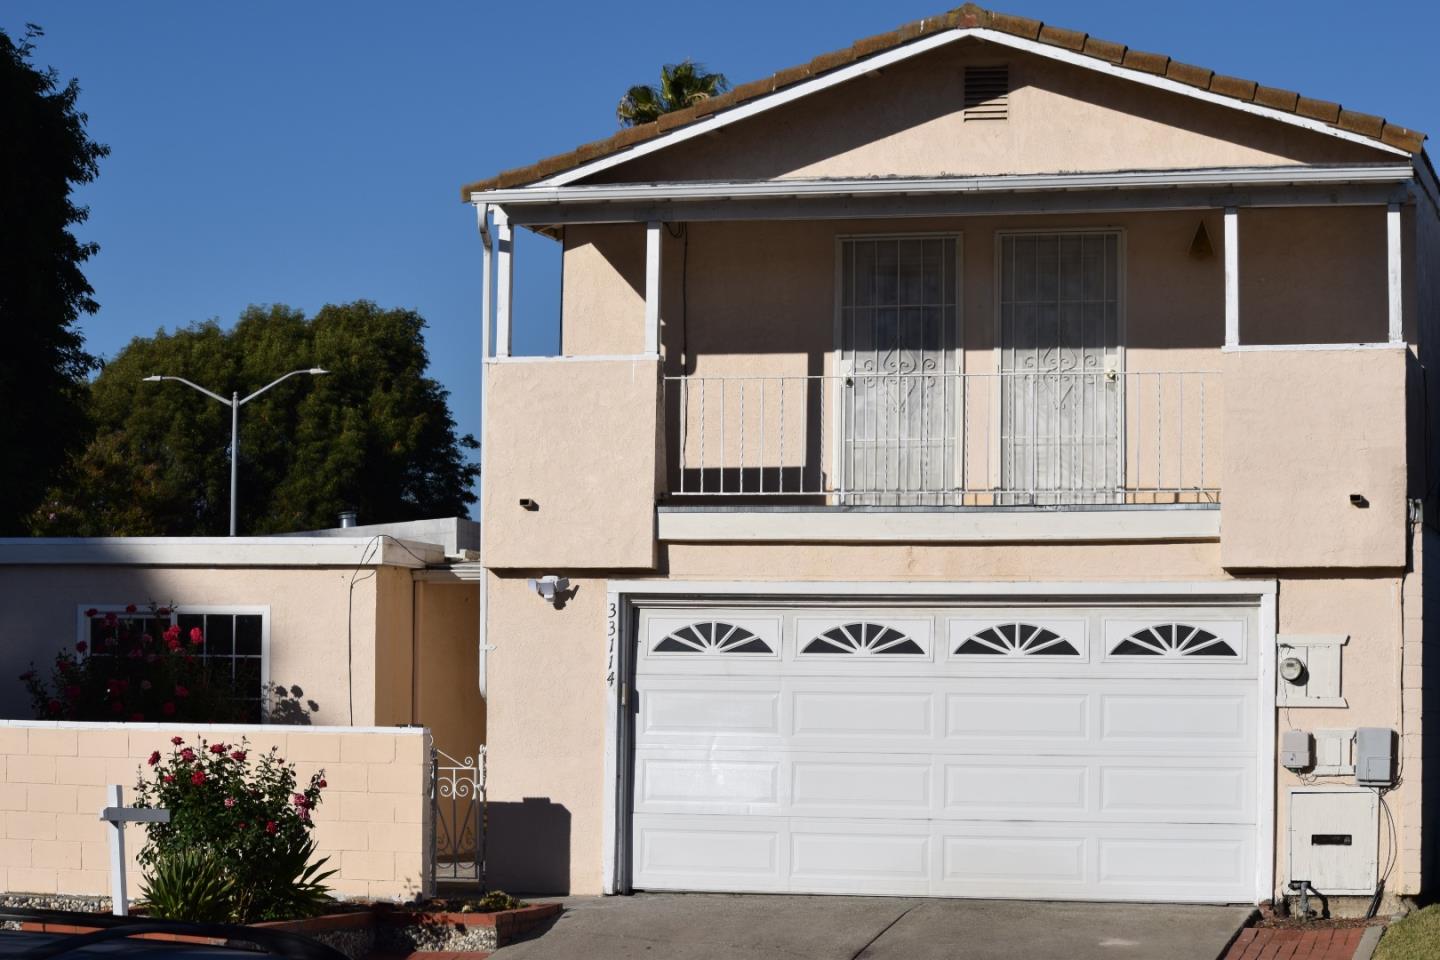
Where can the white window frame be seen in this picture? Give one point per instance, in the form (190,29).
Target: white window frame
(82,626)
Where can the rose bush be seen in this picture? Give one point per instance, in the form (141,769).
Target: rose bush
(139,668)
(235,815)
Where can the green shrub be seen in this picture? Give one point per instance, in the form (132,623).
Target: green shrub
(244,815)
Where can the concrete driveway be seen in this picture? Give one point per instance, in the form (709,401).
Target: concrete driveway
(736,927)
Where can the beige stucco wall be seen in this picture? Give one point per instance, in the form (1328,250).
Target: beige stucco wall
(394,646)
(1304,431)
(372,822)
(447,688)
(580,439)
(309,611)
(907,120)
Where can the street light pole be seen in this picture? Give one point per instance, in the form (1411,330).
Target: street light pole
(235,403)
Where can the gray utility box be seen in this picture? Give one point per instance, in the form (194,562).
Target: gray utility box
(1374,756)
(1334,839)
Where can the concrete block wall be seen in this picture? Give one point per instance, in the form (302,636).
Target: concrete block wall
(373,821)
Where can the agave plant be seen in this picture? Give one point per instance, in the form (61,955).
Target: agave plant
(681,85)
(189,885)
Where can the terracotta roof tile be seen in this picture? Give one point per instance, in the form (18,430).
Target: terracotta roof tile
(1060,37)
(1276,98)
(968,16)
(1104,49)
(1365,124)
(1233,87)
(1318,109)
(1188,73)
(1149,62)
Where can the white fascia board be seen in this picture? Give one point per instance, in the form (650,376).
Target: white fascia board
(203,728)
(1067,526)
(686,589)
(880,60)
(1208,177)
(376,551)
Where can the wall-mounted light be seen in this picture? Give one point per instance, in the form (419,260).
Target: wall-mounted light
(1358,500)
(550,588)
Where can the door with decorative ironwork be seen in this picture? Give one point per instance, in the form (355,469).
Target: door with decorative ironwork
(898,393)
(1060,380)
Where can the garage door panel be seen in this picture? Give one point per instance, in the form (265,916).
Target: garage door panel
(1092,775)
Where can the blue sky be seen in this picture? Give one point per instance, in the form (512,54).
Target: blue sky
(309,153)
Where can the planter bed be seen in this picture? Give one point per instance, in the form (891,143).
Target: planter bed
(384,930)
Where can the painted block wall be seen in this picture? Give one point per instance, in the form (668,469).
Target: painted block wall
(373,822)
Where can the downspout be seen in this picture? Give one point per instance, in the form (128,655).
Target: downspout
(482,217)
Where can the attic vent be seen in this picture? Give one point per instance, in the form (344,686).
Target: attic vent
(987,93)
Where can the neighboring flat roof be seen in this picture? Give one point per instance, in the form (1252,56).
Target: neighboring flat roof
(1278,102)
(324,551)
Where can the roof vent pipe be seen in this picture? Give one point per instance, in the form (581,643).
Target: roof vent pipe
(348,518)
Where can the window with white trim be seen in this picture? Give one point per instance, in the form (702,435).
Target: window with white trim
(233,640)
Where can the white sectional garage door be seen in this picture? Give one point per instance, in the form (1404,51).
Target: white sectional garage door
(1099,752)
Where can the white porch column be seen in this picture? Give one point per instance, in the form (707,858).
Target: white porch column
(652,287)
(505,261)
(487,277)
(1394,270)
(1232,277)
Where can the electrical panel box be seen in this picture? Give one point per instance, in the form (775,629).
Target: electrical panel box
(1295,753)
(1374,756)
(1334,839)
(1319,683)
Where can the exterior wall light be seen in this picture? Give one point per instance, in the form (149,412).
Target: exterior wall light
(551,589)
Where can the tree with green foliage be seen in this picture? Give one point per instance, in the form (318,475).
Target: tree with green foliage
(682,85)
(44,154)
(375,435)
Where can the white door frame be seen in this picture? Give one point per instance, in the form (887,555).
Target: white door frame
(997,413)
(837,393)
(624,597)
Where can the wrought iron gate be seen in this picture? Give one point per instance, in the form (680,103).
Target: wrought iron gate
(457,807)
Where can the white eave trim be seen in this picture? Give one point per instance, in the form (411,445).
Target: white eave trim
(958,526)
(1211,177)
(924,45)
(687,589)
(375,551)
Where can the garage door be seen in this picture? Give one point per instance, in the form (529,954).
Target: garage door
(1098,752)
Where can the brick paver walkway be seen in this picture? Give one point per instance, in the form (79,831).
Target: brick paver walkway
(1276,943)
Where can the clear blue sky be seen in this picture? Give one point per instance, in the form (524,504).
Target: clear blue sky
(309,153)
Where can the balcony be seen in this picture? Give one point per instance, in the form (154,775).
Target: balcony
(1041,439)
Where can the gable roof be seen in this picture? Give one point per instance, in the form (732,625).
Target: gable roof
(1351,123)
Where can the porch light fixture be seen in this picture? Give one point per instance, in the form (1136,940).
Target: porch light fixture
(235,403)
(550,588)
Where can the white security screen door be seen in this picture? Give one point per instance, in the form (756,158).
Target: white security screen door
(898,393)
(1061,386)
(1052,751)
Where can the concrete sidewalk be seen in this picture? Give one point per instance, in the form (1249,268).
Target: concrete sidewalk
(745,927)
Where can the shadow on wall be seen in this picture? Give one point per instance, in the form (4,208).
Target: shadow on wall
(1430,710)
(287,705)
(527,847)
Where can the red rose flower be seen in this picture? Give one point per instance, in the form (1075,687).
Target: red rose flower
(269,826)
(181,692)
(173,644)
(130,608)
(187,755)
(146,639)
(81,647)
(167,708)
(162,611)
(177,740)
(218,748)
(301,801)
(238,756)
(321,784)
(169,778)
(154,758)
(91,612)
(243,824)
(111,619)
(196,637)
(137,718)
(198,777)
(63,666)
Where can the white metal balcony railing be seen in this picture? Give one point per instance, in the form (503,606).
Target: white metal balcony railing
(971,439)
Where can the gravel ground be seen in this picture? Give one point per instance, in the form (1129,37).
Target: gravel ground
(432,937)
(51,901)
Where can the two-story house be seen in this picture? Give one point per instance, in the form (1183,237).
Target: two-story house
(983,461)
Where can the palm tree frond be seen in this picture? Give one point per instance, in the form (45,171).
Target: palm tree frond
(682,85)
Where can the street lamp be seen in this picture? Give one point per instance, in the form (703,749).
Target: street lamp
(235,403)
